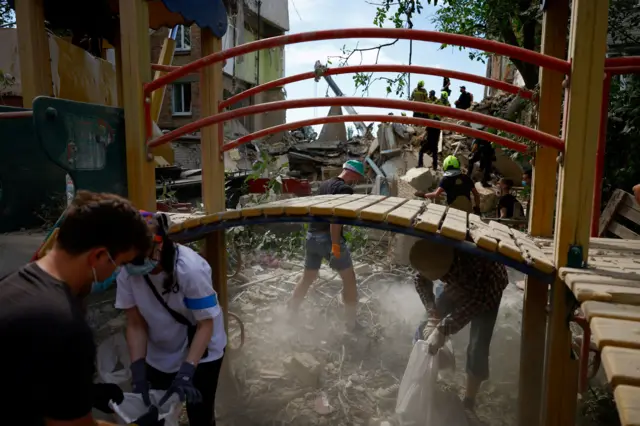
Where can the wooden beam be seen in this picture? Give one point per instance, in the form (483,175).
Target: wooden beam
(542,209)
(575,194)
(136,71)
(157,98)
(118,54)
(213,196)
(33,49)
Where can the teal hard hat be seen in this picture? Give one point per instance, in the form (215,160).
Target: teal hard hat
(355,166)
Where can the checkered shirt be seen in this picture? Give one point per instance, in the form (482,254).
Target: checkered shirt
(473,285)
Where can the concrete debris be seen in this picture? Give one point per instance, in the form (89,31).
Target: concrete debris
(507,167)
(422,179)
(305,368)
(488,198)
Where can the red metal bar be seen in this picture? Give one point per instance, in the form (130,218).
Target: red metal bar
(507,143)
(413,69)
(631,69)
(622,61)
(602,142)
(460,114)
(17,114)
(360,33)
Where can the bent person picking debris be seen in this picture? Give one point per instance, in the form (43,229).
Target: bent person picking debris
(471,293)
(457,186)
(326,241)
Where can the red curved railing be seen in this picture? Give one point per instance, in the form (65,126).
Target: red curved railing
(460,114)
(622,61)
(381,118)
(359,33)
(413,69)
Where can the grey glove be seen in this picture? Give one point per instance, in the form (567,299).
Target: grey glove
(139,383)
(183,386)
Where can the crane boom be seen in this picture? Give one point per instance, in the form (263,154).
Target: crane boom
(320,72)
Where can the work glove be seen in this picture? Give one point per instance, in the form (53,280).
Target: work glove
(476,210)
(435,341)
(335,250)
(183,386)
(150,418)
(105,392)
(139,382)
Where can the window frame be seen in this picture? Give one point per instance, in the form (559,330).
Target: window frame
(182,87)
(180,44)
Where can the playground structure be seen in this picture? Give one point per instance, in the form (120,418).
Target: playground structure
(607,283)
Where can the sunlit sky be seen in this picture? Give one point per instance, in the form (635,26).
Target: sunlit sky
(311,15)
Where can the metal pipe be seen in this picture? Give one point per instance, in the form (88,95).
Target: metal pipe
(622,61)
(17,114)
(602,142)
(507,143)
(414,69)
(631,69)
(460,114)
(360,33)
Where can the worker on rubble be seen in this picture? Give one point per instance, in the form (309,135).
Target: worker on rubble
(49,350)
(444,98)
(471,293)
(446,85)
(482,151)
(419,94)
(430,143)
(457,186)
(175,327)
(326,241)
(508,205)
(465,100)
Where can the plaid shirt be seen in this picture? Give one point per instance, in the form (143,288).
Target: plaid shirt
(473,285)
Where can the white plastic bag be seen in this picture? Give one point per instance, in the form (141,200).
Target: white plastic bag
(113,361)
(133,407)
(421,402)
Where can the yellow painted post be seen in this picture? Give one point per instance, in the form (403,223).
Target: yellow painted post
(118,54)
(575,194)
(213,196)
(33,48)
(157,97)
(136,71)
(542,205)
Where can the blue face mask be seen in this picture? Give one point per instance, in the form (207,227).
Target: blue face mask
(144,269)
(102,286)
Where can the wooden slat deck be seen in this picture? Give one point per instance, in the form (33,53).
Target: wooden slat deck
(396,214)
(609,293)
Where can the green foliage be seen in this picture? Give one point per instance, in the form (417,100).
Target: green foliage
(265,166)
(622,156)
(7,17)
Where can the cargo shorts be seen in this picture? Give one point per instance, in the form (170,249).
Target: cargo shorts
(318,247)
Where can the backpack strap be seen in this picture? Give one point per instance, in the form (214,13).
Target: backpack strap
(176,316)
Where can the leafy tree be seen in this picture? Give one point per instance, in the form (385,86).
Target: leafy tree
(7,18)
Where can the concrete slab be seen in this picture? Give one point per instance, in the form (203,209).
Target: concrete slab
(17,248)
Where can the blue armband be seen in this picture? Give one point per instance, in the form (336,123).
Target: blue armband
(201,303)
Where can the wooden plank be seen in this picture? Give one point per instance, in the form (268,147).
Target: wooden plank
(615,332)
(455,224)
(606,293)
(615,244)
(583,98)
(134,41)
(480,233)
(276,208)
(622,231)
(622,366)
(406,213)
(326,208)
(33,51)
(302,205)
(230,215)
(594,309)
(378,212)
(629,212)
(213,177)
(431,218)
(610,210)
(352,210)
(628,403)
(573,279)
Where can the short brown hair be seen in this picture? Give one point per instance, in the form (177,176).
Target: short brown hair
(103,220)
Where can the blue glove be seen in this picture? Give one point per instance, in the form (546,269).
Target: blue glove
(183,386)
(139,382)
(150,418)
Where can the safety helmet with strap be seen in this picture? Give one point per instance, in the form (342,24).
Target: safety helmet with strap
(451,162)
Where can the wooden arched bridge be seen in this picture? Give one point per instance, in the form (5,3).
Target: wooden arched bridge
(413,217)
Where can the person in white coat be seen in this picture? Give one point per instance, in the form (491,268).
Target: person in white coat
(175,328)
